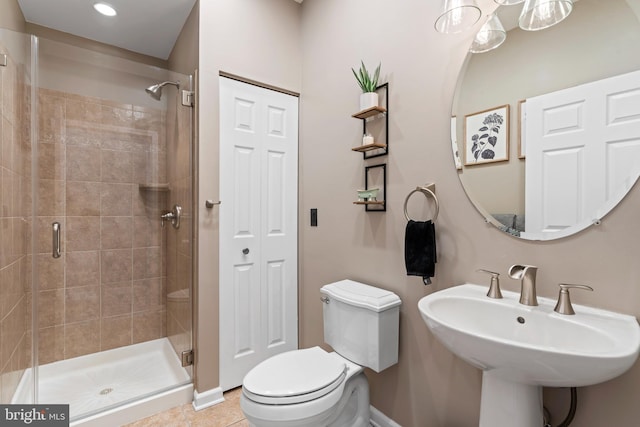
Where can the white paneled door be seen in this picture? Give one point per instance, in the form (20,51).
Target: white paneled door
(258,227)
(582,143)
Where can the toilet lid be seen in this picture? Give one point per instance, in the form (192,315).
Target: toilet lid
(294,377)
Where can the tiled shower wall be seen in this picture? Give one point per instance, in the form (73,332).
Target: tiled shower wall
(107,289)
(15,208)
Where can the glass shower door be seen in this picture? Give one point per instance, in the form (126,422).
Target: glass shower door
(114,308)
(16,216)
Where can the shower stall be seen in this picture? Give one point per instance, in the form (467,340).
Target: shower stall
(96,231)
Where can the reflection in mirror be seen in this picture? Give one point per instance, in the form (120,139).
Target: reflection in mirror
(568,148)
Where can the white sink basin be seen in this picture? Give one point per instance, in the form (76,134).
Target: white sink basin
(521,348)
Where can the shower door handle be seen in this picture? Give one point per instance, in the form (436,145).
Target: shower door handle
(55,239)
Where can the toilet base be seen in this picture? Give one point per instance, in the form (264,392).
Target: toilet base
(351,410)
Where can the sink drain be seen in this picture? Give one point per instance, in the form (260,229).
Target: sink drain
(106,391)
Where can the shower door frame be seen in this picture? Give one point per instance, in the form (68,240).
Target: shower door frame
(35,240)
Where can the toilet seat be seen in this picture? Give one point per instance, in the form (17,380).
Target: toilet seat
(295,377)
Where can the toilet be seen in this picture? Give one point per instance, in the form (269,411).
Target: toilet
(313,387)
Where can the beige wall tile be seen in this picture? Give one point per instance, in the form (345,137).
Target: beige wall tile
(83,163)
(50,308)
(20,234)
(115,116)
(148,294)
(146,231)
(51,161)
(116,299)
(12,329)
(116,332)
(81,304)
(148,325)
(82,269)
(50,344)
(82,233)
(51,197)
(51,126)
(117,166)
(116,265)
(116,232)
(50,271)
(116,199)
(6,151)
(81,135)
(83,198)
(7,192)
(81,338)
(6,241)
(146,263)
(83,109)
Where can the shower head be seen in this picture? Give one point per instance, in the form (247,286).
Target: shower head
(155,91)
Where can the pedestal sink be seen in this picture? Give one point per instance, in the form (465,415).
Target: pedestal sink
(520,348)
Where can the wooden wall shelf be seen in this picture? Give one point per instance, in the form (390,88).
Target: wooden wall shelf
(369,147)
(369,112)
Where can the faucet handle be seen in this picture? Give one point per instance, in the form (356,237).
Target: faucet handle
(563,306)
(494,287)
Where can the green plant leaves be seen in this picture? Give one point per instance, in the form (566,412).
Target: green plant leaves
(365,81)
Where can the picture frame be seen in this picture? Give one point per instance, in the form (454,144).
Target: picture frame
(522,141)
(486,136)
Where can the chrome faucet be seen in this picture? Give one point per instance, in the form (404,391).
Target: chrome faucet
(527,276)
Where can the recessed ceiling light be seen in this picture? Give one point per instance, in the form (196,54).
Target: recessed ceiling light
(105,9)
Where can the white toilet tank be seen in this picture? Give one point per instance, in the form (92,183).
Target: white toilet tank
(361,323)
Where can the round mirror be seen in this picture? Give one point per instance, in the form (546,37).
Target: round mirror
(546,127)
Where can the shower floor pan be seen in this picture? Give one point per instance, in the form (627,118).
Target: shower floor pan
(114,386)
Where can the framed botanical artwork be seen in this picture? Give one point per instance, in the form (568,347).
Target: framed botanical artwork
(522,127)
(486,136)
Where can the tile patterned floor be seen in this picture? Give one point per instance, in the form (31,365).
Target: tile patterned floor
(225,414)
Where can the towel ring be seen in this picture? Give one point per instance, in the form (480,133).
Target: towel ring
(427,192)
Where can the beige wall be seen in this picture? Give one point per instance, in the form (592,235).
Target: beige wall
(429,386)
(184,56)
(11,16)
(574,53)
(258,40)
(95,46)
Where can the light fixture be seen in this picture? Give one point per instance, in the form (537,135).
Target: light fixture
(490,36)
(457,16)
(105,9)
(540,14)
(508,2)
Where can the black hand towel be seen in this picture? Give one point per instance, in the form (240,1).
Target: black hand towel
(420,249)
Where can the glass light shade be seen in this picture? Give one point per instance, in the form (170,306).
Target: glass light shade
(457,16)
(540,14)
(490,36)
(508,2)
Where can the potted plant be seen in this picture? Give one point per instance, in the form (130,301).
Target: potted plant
(368,84)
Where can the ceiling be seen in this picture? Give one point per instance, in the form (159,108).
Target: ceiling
(150,27)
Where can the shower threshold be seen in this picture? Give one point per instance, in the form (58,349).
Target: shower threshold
(114,386)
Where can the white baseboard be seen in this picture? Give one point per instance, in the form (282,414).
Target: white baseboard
(207,398)
(378,419)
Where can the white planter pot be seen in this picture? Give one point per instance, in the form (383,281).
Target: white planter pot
(368,100)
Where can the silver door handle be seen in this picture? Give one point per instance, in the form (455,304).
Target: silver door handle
(173,216)
(55,239)
(245,251)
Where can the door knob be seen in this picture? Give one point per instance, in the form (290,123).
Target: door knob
(245,251)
